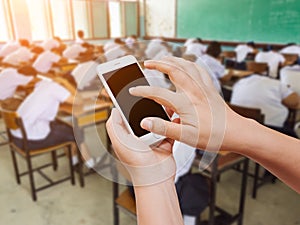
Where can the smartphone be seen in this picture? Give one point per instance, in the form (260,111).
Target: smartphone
(118,76)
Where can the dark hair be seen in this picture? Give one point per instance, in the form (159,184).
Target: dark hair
(24,42)
(80,33)
(214,49)
(27,70)
(199,40)
(37,49)
(251,43)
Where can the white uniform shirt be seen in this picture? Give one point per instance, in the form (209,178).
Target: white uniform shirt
(45,60)
(156,78)
(40,108)
(154,47)
(114,53)
(10,79)
(293,49)
(273,59)
(189,41)
(23,54)
(290,76)
(196,49)
(84,73)
(242,52)
(9,48)
(73,51)
(216,69)
(50,44)
(263,93)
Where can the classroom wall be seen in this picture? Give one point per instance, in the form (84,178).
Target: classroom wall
(275,21)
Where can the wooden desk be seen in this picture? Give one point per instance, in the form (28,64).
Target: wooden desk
(239,73)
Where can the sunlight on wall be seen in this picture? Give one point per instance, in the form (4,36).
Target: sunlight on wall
(160,18)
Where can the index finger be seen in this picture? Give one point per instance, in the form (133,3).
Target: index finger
(176,74)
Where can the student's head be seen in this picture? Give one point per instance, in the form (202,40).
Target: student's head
(251,44)
(37,50)
(24,43)
(199,40)
(27,71)
(290,44)
(119,41)
(80,34)
(268,48)
(214,49)
(57,39)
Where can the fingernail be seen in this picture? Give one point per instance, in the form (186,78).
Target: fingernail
(131,90)
(147,124)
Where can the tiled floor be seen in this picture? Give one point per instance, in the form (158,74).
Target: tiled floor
(65,204)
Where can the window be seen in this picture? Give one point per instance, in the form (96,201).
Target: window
(61,19)
(5,35)
(38,15)
(115,19)
(99,18)
(81,12)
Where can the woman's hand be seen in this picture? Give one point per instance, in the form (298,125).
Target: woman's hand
(146,166)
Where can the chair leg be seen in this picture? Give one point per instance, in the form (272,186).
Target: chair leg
(15,162)
(243,191)
(255,182)
(54,160)
(80,169)
(71,165)
(31,178)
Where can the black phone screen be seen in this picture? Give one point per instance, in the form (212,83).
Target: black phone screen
(134,108)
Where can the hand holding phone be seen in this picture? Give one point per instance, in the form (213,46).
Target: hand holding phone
(118,76)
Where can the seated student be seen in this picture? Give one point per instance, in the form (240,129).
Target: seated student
(195,47)
(117,42)
(11,78)
(85,72)
(131,41)
(21,55)
(12,46)
(46,59)
(243,50)
(116,52)
(51,43)
(38,112)
(80,37)
(267,94)
(273,59)
(290,76)
(155,48)
(73,51)
(291,48)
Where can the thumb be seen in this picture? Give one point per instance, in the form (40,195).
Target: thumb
(159,126)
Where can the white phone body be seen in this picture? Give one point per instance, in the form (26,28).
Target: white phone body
(112,74)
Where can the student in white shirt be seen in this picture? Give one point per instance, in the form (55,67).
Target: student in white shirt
(195,48)
(51,43)
(273,59)
(291,48)
(290,76)
(21,55)
(45,60)
(80,37)
(243,50)
(12,46)
(84,73)
(73,51)
(11,78)
(267,94)
(38,112)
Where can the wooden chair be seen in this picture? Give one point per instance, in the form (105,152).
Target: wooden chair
(256,67)
(228,58)
(14,122)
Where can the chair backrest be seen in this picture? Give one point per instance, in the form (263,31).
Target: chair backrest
(291,58)
(228,54)
(12,121)
(257,67)
(252,113)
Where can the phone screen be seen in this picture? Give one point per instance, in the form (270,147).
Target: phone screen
(134,108)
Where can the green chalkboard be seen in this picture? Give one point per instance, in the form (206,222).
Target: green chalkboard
(270,21)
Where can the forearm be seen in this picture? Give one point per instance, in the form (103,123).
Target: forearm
(278,153)
(158,204)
